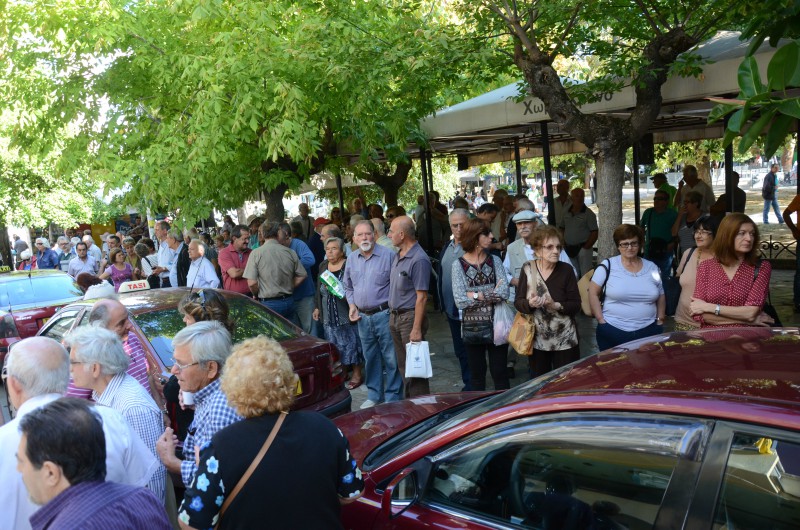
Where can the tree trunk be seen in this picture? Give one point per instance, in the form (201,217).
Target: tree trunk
(390,194)
(704,166)
(389,181)
(5,247)
(274,202)
(610,163)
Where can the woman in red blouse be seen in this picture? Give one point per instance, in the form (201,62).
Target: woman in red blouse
(732,287)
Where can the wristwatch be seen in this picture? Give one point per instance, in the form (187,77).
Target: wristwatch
(474,295)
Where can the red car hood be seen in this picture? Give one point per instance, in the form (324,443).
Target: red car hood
(366,429)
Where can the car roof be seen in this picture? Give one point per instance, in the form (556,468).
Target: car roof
(11,276)
(756,363)
(138,302)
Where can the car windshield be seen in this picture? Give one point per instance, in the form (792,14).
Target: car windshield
(38,291)
(451,417)
(251,319)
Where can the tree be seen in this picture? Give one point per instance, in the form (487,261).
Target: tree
(766,108)
(637,43)
(194,105)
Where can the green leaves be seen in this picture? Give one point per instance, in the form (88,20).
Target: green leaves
(784,68)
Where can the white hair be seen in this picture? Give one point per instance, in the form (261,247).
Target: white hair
(43,241)
(31,362)
(459,211)
(207,340)
(94,344)
(355,219)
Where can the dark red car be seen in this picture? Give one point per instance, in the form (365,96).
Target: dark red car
(28,299)
(155,320)
(693,430)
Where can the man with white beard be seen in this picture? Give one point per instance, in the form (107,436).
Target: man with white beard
(366,285)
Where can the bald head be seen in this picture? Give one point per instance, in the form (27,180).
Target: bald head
(402,233)
(36,366)
(331,230)
(112,315)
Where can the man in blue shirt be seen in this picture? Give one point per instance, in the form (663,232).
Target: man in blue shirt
(366,286)
(304,293)
(62,459)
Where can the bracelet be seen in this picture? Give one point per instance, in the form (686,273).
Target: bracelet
(716,311)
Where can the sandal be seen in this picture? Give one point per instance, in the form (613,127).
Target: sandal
(352,385)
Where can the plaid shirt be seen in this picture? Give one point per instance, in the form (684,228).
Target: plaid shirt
(126,395)
(137,368)
(211,414)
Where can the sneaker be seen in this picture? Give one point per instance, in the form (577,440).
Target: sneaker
(367,404)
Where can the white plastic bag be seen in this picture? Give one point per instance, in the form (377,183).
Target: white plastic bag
(503,320)
(418,360)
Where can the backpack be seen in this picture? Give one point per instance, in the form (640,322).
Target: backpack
(583,288)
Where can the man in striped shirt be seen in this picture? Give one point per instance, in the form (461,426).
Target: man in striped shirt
(98,362)
(113,316)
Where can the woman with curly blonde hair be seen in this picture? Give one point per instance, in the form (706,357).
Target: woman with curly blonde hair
(305,474)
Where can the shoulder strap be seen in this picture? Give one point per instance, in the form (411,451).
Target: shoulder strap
(691,251)
(253,466)
(755,272)
(608,273)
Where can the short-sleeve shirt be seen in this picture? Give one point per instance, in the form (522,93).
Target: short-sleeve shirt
(78,266)
(275,268)
(579,225)
(366,280)
(298,484)
(410,273)
(745,289)
(631,297)
(229,258)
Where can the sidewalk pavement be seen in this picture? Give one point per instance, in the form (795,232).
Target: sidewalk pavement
(447,374)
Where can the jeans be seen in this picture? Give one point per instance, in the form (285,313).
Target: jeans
(774,204)
(400,325)
(461,353)
(664,265)
(383,377)
(303,308)
(284,307)
(608,336)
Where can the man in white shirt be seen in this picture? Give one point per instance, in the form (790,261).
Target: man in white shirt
(691,182)
(166,256)
(201,271)
(94,250)
(38,371)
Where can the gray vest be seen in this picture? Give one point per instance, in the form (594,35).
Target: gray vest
(516,258)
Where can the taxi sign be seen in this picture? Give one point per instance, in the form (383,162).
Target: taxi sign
(135,285)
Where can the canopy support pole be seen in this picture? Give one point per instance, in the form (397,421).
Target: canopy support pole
(519,165)
(637,201)
(729,185)
(427,197)
(797,156)
(548,174)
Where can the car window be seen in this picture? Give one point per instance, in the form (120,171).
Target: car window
(61,325)
(159,327)
(761,486)
(253,319)
(39,290)
(567,471)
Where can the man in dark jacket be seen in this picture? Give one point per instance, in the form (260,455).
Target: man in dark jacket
(769,191)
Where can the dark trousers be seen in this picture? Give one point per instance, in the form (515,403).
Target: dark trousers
(477,354)
(461,353)
(400,325)
(165,283)
(608,336)
(542,362)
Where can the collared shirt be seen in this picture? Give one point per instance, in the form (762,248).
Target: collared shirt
(173,269)
(166,258)
(102,505)
(579,225)
(275,268)
(125,395)
(46,259)
(202,274)
(211,413)
(410,273)
(366,280)
(230,258)
(306,258)
(451,252)
(386,241)
(128,461)
(78,266)
(94,251)
(138,368)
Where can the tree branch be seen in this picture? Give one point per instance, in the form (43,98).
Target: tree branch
(149,44)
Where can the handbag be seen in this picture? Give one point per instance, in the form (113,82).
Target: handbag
(418,360)
(522,332)
(476,325)
(583,288)
(253,466)
(672,288)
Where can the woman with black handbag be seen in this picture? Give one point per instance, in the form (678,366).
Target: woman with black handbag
(479,281)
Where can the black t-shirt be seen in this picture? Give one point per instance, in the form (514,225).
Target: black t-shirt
(296,485)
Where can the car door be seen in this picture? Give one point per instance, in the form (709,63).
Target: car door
(565,471)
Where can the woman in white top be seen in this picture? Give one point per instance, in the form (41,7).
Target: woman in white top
(634,303)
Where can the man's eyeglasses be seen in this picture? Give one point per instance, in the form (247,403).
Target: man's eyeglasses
(182,367)
(629,244)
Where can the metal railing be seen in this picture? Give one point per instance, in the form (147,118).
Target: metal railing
(772,249)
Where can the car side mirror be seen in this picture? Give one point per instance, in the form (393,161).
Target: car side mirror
(401,493)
